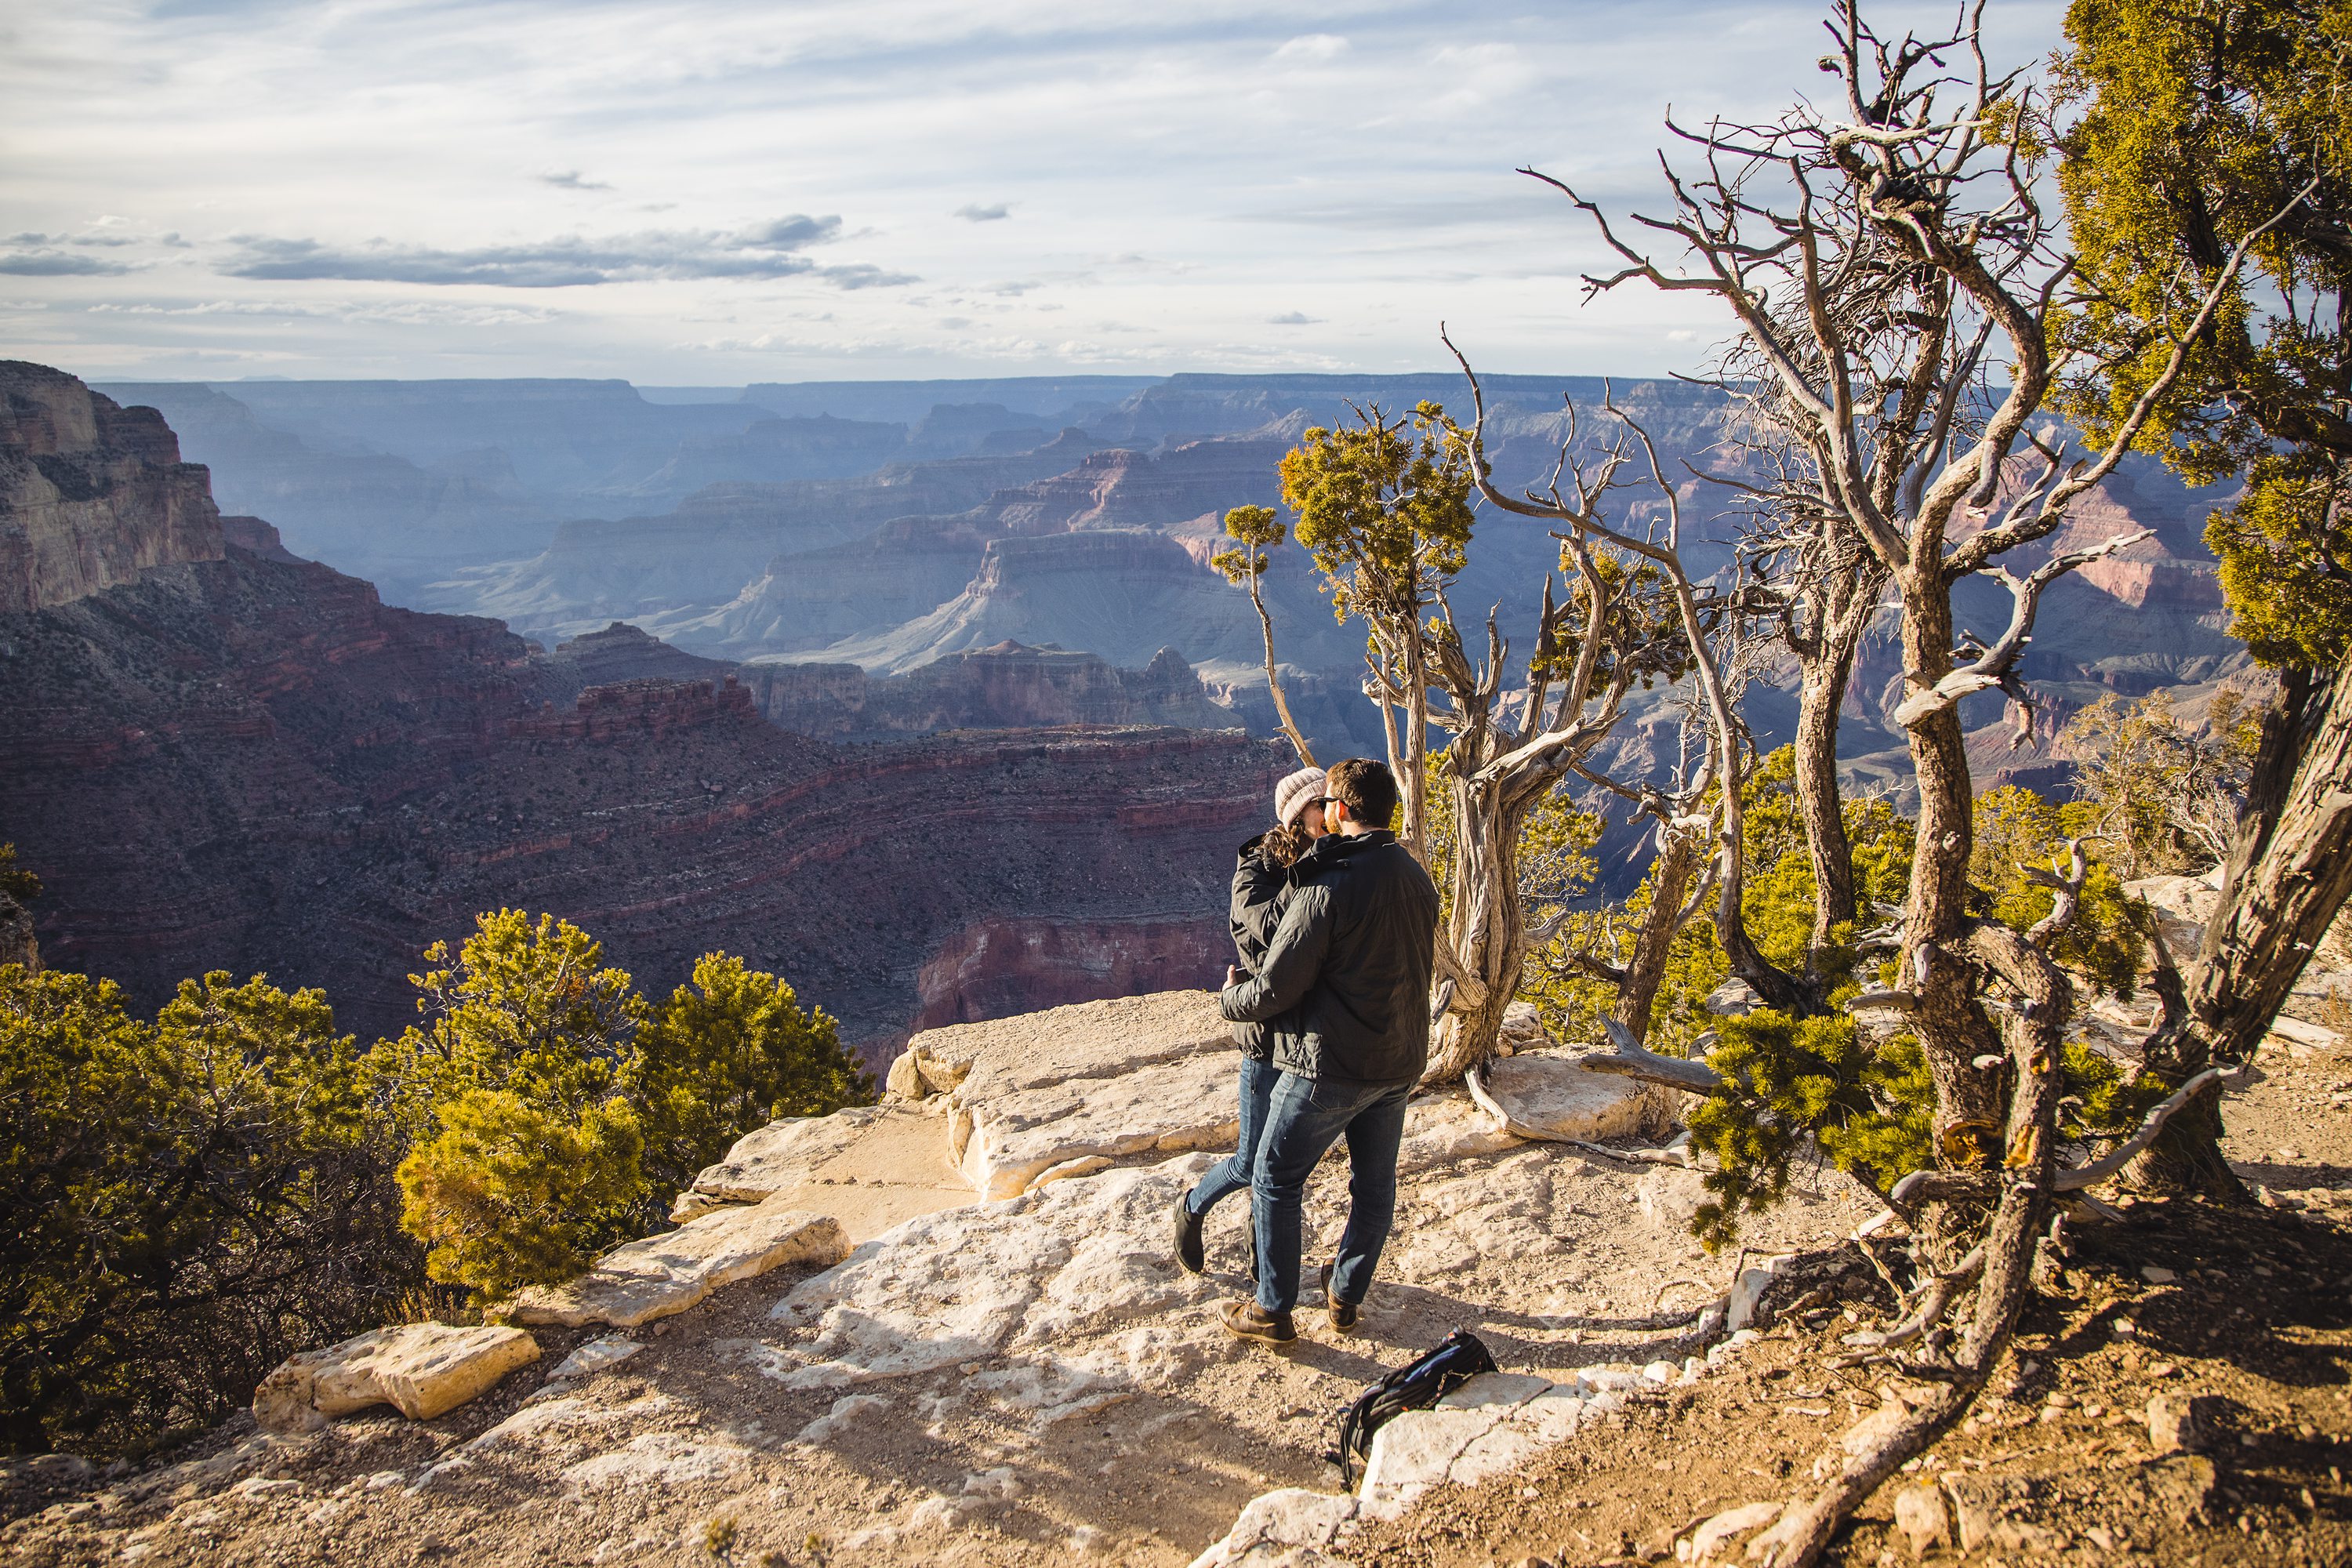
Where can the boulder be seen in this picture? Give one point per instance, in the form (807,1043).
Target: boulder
(421,1370)
(1004,1143)
(666,1274)
(1733,998)
(1134,1075)
(1443,1128)
(1540,1094)
(1290,1526)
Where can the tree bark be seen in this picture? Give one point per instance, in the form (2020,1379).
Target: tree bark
(2290,872)
(1953,1030)
(1820,701)
(1669,879)
(1487,927)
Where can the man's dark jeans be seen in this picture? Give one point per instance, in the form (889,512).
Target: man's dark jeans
(1231,1174)
(1304,1118)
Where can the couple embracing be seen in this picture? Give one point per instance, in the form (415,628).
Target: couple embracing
(1336,925)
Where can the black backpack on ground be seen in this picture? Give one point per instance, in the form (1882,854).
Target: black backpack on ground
(1460,1357)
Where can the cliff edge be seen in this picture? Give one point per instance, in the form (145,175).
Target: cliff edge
(91,493)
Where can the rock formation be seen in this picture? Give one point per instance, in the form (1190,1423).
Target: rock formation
(91,493)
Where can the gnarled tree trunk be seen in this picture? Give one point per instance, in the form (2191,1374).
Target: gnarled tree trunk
(2290,871)
(1670,879)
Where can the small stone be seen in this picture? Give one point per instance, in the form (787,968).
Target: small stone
(2173,1426)
(1923,1516)
(1719,1532)
(596,1356)
(2162,1369)
(2100,1536)
(2157,1274)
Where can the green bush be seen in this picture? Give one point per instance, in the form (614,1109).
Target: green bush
(187,1202)
(552,1110)
(513,1192)
(527,1160)
(728,1053)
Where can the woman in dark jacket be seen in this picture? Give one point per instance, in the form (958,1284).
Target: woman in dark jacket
(1261,887)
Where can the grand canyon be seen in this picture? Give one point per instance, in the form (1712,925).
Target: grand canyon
(893,679)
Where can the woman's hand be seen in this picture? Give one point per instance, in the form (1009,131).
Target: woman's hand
(1233,975)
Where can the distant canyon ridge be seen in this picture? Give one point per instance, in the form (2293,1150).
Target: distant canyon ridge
(923,694)
(879,559)
(219,754)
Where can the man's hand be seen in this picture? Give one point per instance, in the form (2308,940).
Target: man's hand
(1233,975)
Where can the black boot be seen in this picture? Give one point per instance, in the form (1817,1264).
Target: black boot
(1189,1255)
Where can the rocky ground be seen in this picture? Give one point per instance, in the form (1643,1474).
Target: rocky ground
(996,1382)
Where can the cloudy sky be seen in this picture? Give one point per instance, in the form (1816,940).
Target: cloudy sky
(711,191)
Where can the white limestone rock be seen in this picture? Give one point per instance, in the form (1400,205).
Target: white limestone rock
(1273,1527)
(1747,1291)
(596,1356)
(1416,1451)
(1008,1140)
(658,1459)
(422,1370)
(1539,1094)
(1444,1127)
(1079,1258)
(666,1274)
(1087,1039)
(782,1155)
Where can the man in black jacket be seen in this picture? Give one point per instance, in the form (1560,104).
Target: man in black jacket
(1345,992)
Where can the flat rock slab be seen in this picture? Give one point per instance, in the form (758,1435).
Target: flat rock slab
(1540,1094)
(1088,1039)
(782,1155)
(1492,1425)
(1082,1258)
(1004,1143)
(421,1370)
(666,1274)
(870,1167)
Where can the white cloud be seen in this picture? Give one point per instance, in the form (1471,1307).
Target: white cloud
(1313,46)
(301,182)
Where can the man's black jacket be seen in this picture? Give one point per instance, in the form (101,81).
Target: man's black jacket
(1345,985)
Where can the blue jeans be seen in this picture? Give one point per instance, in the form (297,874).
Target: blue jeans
(1232,1173)
(1303,1119)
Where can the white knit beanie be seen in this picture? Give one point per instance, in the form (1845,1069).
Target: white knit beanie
(1295,792)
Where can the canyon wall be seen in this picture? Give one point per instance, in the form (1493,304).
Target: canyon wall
(91,493)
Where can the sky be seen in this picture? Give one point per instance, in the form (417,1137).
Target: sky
(716,192)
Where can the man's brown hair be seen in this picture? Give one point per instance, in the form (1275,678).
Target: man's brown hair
(1367,788)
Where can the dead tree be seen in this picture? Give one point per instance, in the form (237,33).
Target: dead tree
(1865,252)
(1661,552)
(1589,653)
